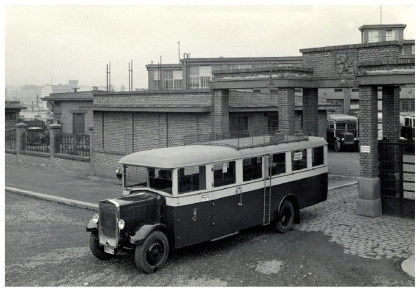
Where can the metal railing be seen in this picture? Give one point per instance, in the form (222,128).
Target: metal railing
(34,142)
(244,138)
(72,144)
(10,139)
(397,174)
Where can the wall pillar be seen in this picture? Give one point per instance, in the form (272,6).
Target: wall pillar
(91,167)
(286,110)
(220,111)
(369,199)
(20,129)
(54,129)
(310,111)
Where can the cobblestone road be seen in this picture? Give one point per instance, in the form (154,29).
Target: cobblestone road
(375,238)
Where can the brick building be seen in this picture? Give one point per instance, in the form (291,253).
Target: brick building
(12,111)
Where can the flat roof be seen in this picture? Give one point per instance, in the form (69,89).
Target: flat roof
(198,154)
(343,117)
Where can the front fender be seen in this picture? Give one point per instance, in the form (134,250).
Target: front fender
(91,227)
(141,233)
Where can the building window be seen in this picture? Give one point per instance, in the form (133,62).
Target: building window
(373,36)
(405,105)
(238,124)
(172,79)
(252,169)
(10,116)
(78,123)
(224,174)
(191,179)
(355,90)
(57,117)
(354,101)
(200,77)
(338,90)
(390,35)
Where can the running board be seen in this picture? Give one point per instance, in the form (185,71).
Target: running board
(225,236)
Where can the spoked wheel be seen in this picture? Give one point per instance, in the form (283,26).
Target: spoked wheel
(337,146)
(96,249)
(286,216)
(151,255)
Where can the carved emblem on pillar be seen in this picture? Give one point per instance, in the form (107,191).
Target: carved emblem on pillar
(345,64)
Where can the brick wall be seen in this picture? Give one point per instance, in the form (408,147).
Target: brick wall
(286,109)
(368,125)
(310,111)
(325,60)
(199,97)
(66,108)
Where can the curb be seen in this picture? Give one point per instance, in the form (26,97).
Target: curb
(60,200)
(342,185)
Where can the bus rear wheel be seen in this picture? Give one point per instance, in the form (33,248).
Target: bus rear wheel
(285,217)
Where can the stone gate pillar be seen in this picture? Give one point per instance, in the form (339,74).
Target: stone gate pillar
(286,110)
(310,111)
(220,111)
(369,199)
(20,129)
(91,168)
(54,130)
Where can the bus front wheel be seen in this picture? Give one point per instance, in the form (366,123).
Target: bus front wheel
(337,146)
(285,217)
(151,255)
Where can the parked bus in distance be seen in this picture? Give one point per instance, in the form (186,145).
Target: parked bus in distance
(343,132)
(180,196)
(407,122)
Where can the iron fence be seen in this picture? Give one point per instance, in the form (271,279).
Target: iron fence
(35,142)
(72,144)
(10,139)
(397,174)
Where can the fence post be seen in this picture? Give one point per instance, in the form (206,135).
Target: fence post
(92,170)
(20,129)
(54,130)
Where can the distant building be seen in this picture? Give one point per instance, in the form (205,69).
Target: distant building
(12,111)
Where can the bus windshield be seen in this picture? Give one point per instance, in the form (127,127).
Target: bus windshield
(159,179)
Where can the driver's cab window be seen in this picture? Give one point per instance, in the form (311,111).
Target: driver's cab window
(160,179)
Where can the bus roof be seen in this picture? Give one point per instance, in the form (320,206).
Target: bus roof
(342,117)
(194,155)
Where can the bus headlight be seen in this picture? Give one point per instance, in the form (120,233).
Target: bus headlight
(121,224)
(95,218)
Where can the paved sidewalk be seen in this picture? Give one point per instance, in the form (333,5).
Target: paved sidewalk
(373,238)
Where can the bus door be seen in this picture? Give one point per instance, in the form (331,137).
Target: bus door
(227,203)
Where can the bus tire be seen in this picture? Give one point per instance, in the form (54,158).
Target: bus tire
(96,249)
(337,146)
(285,217)
(151,255)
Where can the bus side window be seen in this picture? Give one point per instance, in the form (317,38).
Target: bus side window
(299,160)
(191,179)
(407,122)
(278,165)
(224,174)
(317,156)
(252,168)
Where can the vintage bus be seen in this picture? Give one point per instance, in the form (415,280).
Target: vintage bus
(180,196)
(343,132)
(408,125)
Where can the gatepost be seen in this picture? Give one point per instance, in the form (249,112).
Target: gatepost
(54,129)
(20,129)
(92,170)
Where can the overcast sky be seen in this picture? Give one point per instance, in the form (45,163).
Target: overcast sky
(58,43)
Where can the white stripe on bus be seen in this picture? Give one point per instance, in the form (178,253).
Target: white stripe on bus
(230,190)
